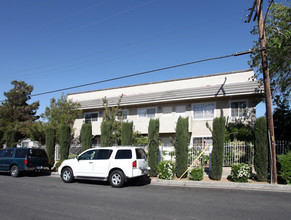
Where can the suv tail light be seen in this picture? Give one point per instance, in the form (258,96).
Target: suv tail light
(25,161)
(134,164)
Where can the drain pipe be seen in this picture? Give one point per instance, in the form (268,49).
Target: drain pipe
(271,158)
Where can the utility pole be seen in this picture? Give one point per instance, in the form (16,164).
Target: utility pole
(270,123)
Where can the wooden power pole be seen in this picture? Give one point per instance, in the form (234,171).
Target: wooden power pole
(269,115)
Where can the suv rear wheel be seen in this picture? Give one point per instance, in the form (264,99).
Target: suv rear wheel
(67,175)
(14,171)
(116,178)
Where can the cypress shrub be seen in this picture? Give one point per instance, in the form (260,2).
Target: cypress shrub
(86,136)
(261,149)
(181,146)
(126,133)
(50,142)
(106,134)
(218,137)
(65,141)
(153,143)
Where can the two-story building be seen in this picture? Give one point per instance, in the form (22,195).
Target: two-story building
(200,98)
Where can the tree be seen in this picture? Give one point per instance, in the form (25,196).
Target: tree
(218,138)
(64,141)
(37,132)
(240,132)
(181,145)
(114,115)
(261,149)
(153,141)
(282,121)
(16,115)
(278,37)
(126,133)
(106,134)
(86,136)
(62,111)
(50,142)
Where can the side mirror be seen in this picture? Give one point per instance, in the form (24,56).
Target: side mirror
(77,157)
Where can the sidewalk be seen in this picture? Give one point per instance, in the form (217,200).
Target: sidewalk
(223,184)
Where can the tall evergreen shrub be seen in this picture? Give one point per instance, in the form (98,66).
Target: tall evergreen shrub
(50,142)
(64,141)
(126,133)
(218,137)
(86,136)
(261,149)
(181,146)
(106,134)
(153,143)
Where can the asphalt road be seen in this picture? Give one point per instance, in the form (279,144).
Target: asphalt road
(47,197)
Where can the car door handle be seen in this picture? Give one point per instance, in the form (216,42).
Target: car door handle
(90,162)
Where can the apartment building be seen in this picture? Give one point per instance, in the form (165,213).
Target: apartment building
(200,98)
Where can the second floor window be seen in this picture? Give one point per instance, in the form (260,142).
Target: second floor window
(89,117)
(147,112)
(239,109)
(204,111)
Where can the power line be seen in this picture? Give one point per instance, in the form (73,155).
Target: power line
(145,72)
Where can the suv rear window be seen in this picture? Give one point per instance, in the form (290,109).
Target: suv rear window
(140,153)
(37,153)
(20,153)
(123,154)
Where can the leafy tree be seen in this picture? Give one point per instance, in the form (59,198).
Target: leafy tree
(240,132)
(218,138)
(181,144)
(126,133)
(16,115)
(64,141)
(139,139)
(282,121)
(62,111)
(37,132)
(86,136)
(115,116)
(261,149)
(50,142)
(153,141)
(278,37)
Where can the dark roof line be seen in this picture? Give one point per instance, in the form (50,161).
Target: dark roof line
(163,81)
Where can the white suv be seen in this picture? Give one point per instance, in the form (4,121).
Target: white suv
(116,164)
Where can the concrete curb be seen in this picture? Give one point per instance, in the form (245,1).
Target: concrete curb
(216,185)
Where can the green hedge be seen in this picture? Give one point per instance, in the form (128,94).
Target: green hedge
(50,142)
(218,137)
(65,141)
(153,142)
(126,133)
(106,134)
(86,136)
(196,174)
(284,167)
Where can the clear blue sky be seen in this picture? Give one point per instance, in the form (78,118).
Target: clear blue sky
(54,44)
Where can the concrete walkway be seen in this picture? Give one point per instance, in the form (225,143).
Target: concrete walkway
(216,184)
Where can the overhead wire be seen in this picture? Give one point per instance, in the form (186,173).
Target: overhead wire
(142,73)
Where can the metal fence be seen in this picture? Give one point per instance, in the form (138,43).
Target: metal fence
(233,153)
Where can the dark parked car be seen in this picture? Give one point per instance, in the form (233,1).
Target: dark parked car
(16,160)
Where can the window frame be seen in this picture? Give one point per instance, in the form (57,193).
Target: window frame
(147,115)
(203,104)
(246,109)
(90,113)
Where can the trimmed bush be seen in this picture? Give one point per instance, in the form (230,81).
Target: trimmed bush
(284,168)
(50,142)
(181,146)
(196,174)
(153,141)
(261,149)
(86,136)
(126,133)
(166,170)
(106,134)
(218,136)
(65,141)
(240,172)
